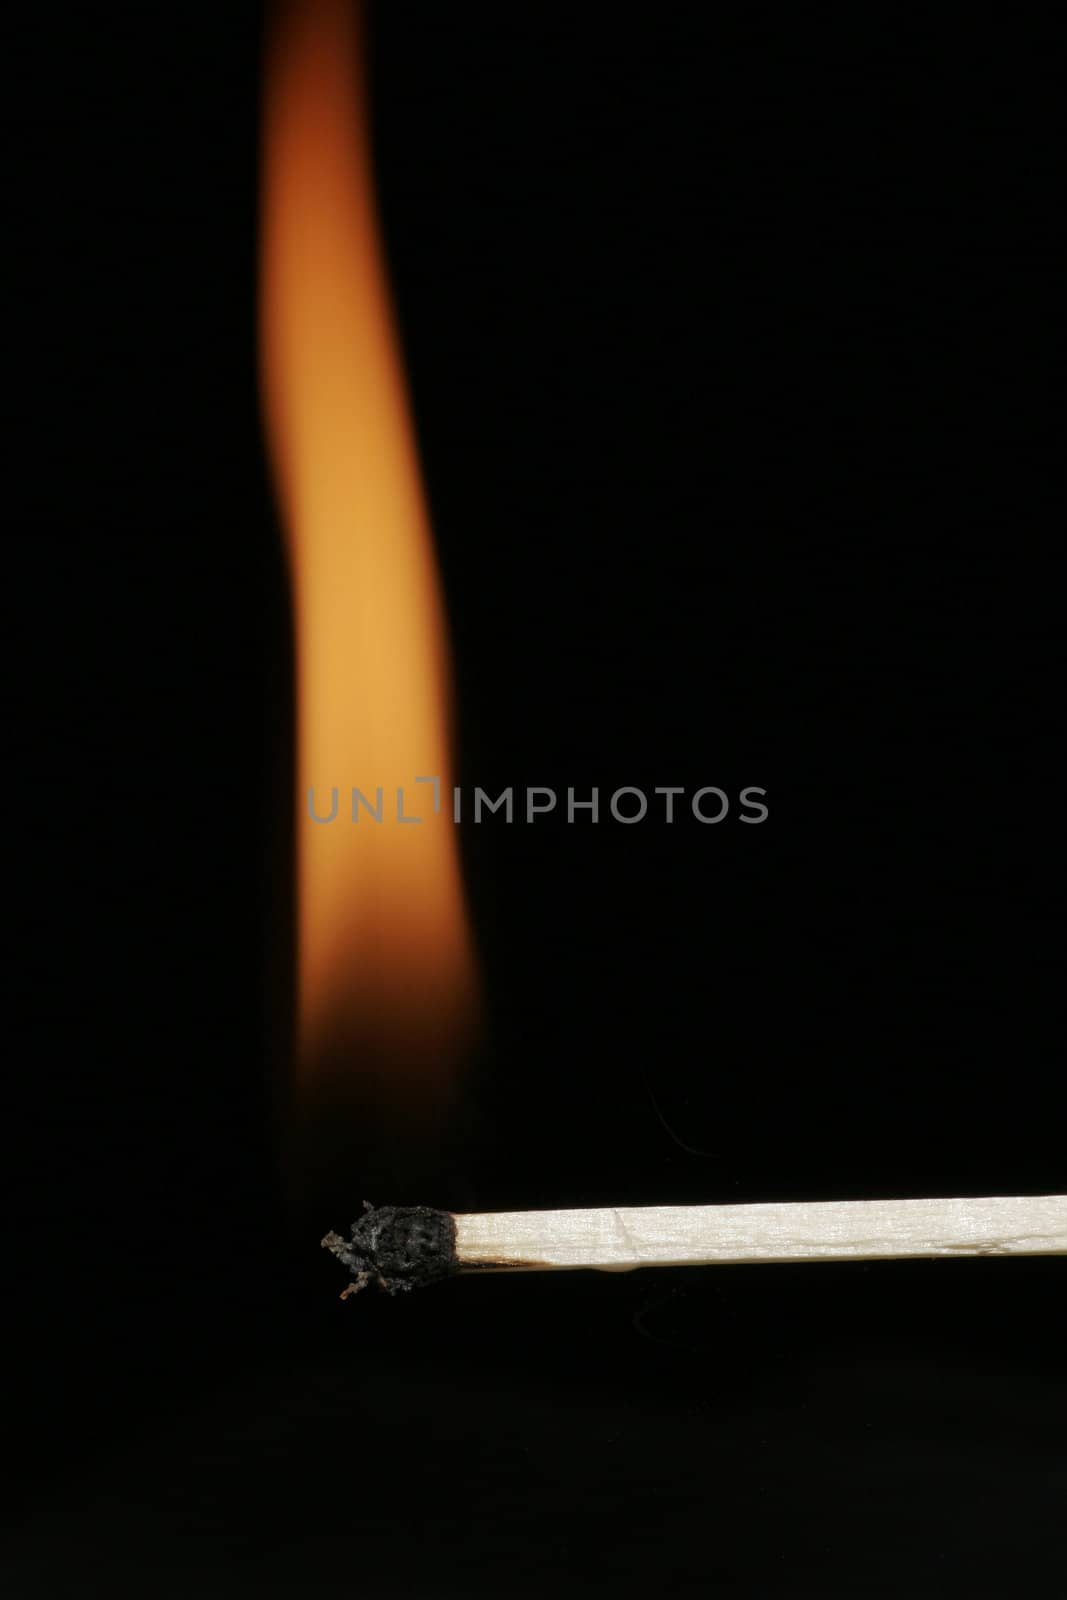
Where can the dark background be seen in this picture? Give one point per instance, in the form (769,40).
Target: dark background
(730,334)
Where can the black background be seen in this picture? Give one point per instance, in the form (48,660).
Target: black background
(730,334)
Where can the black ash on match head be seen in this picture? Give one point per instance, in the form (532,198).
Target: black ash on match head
(396,1247)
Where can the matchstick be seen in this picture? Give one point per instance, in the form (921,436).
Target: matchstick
(401,1247)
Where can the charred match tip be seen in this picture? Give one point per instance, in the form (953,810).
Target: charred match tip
(396,1247)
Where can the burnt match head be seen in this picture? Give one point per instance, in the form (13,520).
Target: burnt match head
(397,1247)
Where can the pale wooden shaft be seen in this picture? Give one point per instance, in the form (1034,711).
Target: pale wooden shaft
(827,1230)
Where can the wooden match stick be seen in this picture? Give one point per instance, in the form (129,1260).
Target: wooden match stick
(400,1247)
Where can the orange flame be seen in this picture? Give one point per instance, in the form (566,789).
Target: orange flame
(386,973)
